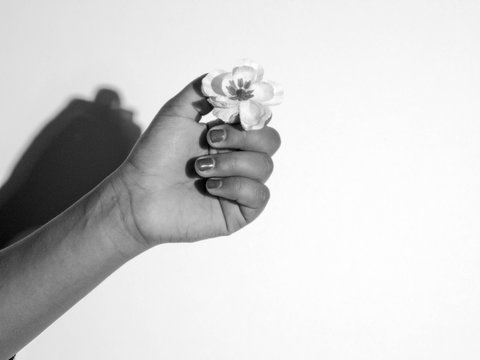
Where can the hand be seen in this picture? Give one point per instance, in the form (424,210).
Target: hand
(161,187)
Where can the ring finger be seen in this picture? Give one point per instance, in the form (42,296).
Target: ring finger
(249,164)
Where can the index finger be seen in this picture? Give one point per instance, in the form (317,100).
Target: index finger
(225,136)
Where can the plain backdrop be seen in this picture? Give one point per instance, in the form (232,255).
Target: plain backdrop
(370,246)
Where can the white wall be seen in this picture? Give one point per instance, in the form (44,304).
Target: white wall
(370,247)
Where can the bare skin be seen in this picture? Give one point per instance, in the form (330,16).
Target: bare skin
(153,198)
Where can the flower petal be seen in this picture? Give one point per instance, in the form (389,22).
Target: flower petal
(210,83)
(229,115)
(222,102)
(258,68)
(262,92)
(253,115)
(277,94)
(243,74)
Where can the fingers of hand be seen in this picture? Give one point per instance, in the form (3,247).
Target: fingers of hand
(225,136)
(253,165)
(245,191)
(188,103)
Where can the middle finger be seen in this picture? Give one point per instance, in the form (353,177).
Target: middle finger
(250,164)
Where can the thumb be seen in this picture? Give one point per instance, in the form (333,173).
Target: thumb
(189,103)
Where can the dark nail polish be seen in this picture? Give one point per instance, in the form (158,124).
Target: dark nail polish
(205,163)
(217,135)
(214,183)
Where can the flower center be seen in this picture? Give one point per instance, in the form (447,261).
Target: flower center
(239,91)
(242,94)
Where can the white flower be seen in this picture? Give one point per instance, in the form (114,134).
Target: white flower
(242,95)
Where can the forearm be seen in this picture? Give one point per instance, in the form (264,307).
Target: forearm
(46,273)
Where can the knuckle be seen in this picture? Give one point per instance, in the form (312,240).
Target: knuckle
(267,164)
(276,140)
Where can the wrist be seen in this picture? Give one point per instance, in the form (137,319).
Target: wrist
(108,207)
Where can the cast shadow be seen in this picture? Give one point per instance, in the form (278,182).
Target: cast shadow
(74,152)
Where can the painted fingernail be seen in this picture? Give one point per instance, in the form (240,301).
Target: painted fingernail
(214,184)
(217,135)
(205,163)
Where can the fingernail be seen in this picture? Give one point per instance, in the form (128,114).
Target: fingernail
(214,183)
(217,135)
(205,163)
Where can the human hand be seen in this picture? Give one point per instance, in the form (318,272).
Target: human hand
(159,188)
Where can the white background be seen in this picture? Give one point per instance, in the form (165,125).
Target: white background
(370,246)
